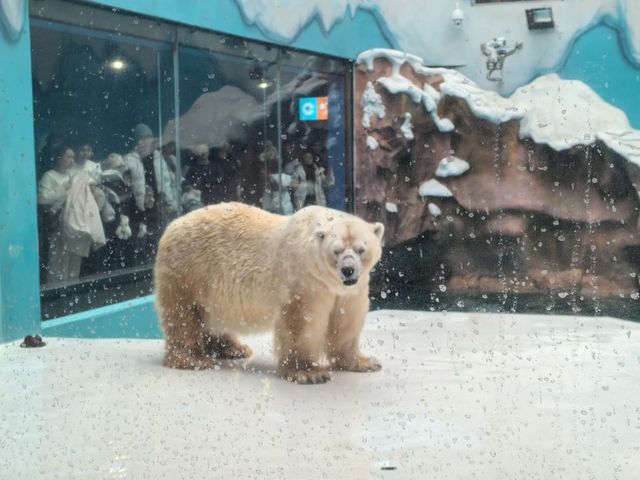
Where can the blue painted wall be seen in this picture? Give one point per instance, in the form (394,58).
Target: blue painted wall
(598,58)
(347,38)
(19,294)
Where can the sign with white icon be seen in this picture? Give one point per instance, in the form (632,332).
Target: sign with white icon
(313,108)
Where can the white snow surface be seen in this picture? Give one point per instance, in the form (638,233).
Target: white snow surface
(407,128)
(433,188)
(391,207)
(460,396)
(372,143)
(371,104)
(434,210)
(424,28)
(452,166)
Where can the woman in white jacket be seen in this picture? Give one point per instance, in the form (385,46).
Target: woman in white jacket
(53,189)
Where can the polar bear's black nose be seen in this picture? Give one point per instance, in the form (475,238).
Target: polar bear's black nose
(347,271)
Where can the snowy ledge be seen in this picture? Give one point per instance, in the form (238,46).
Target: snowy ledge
(559,113)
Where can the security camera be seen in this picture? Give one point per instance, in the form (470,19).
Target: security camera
(457,16)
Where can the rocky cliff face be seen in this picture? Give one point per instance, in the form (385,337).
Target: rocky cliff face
(534,193)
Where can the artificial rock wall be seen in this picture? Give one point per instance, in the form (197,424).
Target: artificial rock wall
(536,193)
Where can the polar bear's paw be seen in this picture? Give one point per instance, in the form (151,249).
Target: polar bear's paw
(361,363)
(306,376)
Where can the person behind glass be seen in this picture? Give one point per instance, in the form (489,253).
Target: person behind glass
(53,189)
(84,162)
(276,197)
(228,169)
(150,178)
(309,179)
(203,175)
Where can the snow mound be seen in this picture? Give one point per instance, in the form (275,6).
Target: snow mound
(484,104)
(371,104)
(434,210)
(566,113)
(372,143)
(391,207)
(451,167)
(407,127)
(433,188)
(559,113)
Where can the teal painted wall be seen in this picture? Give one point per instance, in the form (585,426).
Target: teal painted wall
(598,58)
(19,294)
(132,319)
(346,39)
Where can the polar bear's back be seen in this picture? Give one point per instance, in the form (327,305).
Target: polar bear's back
(219,235)
(220,257)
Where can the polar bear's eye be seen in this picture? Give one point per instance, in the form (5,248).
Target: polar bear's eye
(359,250)
(338,251)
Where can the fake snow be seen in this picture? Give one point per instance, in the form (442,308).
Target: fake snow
(407,128)
(433,188)
(434,210)
(391,207)
(451,167)
(552,111)
(371,104)
(485,104)
(566,113)
(372,143)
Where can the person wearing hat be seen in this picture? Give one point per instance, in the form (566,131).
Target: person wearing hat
(151,180)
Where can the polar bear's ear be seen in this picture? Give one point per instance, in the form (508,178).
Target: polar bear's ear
(320,234)
(378,229)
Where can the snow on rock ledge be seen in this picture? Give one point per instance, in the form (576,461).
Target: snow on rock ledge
(433,188)
(451,167)
(559,113)
(371,105)
(566,113)
(484,104)
(434,210)
(372,143)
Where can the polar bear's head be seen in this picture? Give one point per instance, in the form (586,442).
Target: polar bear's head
(348,249)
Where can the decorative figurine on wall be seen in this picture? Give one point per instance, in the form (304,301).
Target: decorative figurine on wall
(496,51)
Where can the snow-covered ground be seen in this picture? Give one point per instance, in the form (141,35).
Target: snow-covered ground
(461,396)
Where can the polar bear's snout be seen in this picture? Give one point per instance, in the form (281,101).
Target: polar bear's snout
(349,268)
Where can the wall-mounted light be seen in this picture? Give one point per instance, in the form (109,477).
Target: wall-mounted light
(457,16)
(540,18)
(264,84)
(117,64)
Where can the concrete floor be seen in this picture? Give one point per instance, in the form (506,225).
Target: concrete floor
(461,396)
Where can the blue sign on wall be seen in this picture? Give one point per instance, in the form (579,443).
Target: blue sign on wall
(313,108)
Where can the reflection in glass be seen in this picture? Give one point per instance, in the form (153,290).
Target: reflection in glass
(132,132)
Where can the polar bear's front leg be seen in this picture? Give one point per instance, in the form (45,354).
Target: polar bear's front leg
(300,337)
(343,335)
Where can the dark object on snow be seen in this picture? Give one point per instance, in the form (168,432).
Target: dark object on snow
(32,342)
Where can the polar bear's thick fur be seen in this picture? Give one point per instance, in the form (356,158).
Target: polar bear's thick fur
(230,269)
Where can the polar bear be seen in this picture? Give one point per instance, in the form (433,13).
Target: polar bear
(233,269)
